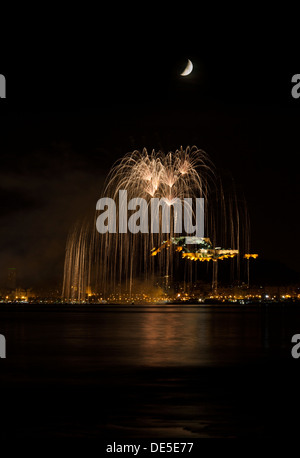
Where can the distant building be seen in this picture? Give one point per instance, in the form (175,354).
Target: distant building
(11,278)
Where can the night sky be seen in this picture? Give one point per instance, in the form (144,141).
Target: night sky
(65,122)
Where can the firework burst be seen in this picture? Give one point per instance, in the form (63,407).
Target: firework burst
(115,260)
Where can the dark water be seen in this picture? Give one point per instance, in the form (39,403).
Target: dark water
(138,372)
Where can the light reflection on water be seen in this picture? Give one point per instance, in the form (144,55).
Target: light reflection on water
(143,336)
(147,371)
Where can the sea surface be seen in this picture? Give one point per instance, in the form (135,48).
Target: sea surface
(113,372)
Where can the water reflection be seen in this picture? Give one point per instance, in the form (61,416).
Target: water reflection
(182,336)
(162,371)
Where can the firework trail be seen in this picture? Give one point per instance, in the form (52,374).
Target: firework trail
(108,262)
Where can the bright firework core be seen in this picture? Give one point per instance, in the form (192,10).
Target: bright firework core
(100,263)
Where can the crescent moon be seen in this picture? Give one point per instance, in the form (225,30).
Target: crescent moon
(188,69)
